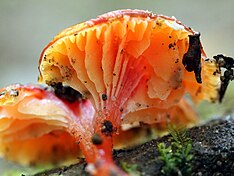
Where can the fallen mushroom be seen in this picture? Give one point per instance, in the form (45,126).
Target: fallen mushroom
(36,125)
(135,67)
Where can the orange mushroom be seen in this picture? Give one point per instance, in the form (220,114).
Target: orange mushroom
(135,67)
(36,126)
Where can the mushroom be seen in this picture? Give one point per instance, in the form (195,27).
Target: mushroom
(36,123)
(135,67)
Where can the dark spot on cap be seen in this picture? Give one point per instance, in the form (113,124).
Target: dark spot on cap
(121,109)
(107,128)
(96,139)
(138,104)
(171,45)
(14,93)
(2,93)
(104,97)
(192,59)
(66,93)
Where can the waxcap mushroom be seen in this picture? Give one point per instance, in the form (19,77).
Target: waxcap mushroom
(39,125)
(128,62)
(104,55)
(36,125)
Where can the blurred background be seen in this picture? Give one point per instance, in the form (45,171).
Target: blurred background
(27,26)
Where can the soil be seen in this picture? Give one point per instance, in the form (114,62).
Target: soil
(213,150)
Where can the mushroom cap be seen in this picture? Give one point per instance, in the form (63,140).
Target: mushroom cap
(128,61)
(34,126)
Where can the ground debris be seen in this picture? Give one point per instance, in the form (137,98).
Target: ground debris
(213,151)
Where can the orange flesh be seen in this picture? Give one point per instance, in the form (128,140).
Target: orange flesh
(135,59)
(40,125)
(99,52)
(47,148)
(39,128)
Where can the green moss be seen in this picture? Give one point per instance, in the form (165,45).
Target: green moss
(177,156)
(131,169)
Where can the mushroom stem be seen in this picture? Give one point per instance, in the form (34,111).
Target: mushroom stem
(95,140)
(101,163)
(102,145)
(97,149)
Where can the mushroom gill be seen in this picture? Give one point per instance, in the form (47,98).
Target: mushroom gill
(36,126)
(130,63)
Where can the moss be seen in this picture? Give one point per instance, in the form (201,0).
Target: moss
(131,169)
(177,156)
